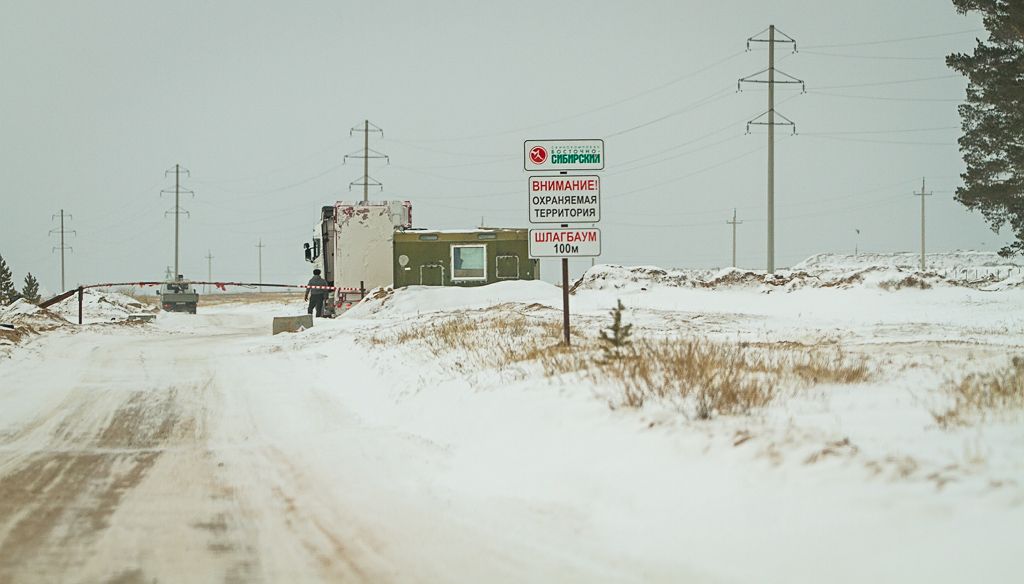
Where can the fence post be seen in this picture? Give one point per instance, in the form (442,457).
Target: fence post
(80,289)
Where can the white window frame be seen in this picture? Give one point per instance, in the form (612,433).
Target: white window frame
(468,278)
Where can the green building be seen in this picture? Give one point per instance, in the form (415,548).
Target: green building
(462,257)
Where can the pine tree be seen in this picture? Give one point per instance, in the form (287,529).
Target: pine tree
(617,335)
(31,289)
(993,118)
(7,289)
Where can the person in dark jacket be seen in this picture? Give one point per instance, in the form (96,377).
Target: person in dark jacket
(316,296)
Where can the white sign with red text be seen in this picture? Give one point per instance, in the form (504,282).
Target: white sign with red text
(565,199)
(565,243)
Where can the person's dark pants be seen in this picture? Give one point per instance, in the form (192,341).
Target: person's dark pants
(316,301)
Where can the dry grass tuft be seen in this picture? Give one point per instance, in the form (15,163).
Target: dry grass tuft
(819,365)
(699,377)
(982,395)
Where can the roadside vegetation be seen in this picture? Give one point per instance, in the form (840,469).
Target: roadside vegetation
(698,376)
(984,396)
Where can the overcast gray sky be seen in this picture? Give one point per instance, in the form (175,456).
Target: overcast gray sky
(256,99)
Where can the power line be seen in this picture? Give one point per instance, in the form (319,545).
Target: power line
(686,176)
(714,97)
(915,99)
(902,40)
(907,130)
(880,57)
(903,142)
(898,82)
(591,111)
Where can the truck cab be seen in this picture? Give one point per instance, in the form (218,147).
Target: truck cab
(178,295)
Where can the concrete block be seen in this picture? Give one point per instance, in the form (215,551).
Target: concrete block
(291,324)
(141,317)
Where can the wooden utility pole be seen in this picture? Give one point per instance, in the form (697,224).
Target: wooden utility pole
(922,194)
(771,123)
(734,223)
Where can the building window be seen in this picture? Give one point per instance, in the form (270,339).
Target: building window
(469,262)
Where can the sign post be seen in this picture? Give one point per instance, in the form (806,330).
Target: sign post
(564,199)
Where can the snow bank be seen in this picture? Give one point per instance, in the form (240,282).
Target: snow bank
(834,262)
(424,299)
(881,277)
(22,318)
(102,305)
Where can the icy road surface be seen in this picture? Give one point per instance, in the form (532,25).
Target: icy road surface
(201,449)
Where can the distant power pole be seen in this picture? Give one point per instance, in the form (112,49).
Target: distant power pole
(62,247)
(734,223)
(922,194)
(177,207)
(771,81)
(209,270)
(260,246)
(366,155)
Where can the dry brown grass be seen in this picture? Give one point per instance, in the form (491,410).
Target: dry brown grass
(698,376)
(980,396)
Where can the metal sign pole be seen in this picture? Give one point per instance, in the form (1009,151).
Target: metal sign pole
(565,298)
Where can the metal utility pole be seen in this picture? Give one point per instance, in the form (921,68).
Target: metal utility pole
(734,223)
(366,127)
(261,246)
(62,247)
(771,123)
(209,270)
(177,208)
(922,194)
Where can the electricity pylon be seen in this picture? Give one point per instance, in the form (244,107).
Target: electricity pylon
(366,155)
(922,194)
(734,223)
(177,207)
(771,123)
(62,247)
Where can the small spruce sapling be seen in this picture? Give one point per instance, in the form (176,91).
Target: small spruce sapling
(31,289)
(616,337)
(7,289)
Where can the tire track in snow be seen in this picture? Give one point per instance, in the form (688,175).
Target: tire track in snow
(55,503)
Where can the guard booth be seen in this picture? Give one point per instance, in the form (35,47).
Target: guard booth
(462,257)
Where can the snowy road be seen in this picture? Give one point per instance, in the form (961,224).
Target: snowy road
(201,449)
(206,454)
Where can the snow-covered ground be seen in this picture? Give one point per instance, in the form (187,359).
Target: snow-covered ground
(201,448)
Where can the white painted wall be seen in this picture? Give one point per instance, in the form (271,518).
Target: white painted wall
(363,240)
